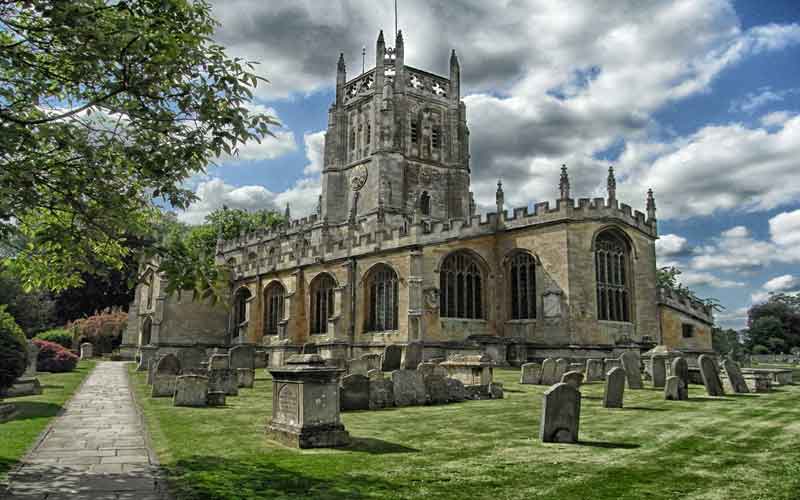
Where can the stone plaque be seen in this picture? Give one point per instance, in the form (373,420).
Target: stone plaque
(286,409)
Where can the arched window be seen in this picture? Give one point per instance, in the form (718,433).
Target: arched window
(425,203)
(321,302)
(382,299)
(240,307)
(147,326)
(611,258)
(273,307)
(461,287)
(523,286)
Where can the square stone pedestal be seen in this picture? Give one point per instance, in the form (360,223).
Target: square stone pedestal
(305,404)
(147,353)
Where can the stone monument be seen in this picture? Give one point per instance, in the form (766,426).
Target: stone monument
(615,388)
(561,412)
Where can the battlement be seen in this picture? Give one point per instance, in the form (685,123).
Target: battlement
(361,86)
(687,305)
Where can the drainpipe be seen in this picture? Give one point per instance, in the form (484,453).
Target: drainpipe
(352,300)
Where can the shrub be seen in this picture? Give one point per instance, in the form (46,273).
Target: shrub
(54,357)
(57,335)
(13,350)
(103,330)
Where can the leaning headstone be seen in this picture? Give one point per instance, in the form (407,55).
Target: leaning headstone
(409,388)
(735,378)
(708,370)
(530,373)
(381,391)
(390,360)
(412,356)
(549,372)
(575,379)
(86,350)
(633,370)
(357,366)
(561,412)
(373,361)
(615,388)
(594,370)
(191,390)
(165,376)
(658,369)
(562,367)
(680,369)
(242,356)
(192,358)
(675,389)
(245,377)
(354,392)
(455,390)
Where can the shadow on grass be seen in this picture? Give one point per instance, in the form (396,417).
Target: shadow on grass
(6,464)
(514,390)
(643,408)
(377,447)
(605,444)
(212,477)
(709,399)
(48,386)
(33,409)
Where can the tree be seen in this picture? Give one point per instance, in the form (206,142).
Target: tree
(105,108)
(775,323)
(727,343)
(767,332)
(33,311)
(667,277)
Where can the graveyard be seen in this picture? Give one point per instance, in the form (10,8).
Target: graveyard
(733,446)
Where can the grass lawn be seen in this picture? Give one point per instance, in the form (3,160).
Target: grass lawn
(35,412)
(744,448)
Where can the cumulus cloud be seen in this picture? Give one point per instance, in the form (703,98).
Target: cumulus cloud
(693,278)
(755,100)
(315,148)
(671,245)
(783,283)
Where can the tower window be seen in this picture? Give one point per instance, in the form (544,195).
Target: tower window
(353,140)
(425,203)
(414,132)
(613,283)
(436,137)
(369,134)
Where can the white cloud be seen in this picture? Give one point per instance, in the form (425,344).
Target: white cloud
(693,278)
(784,228)
(765,95)
(735,318)
(670,245)
(783,283)
(315,148)
(776,118)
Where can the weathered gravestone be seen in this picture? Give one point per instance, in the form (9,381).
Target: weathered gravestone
(191,390)
(412,356)
(633,369)
(573,378)
(680,369)
(245,377)
(261,359)
(242,356)
(562,367)
(675,389)
(165,376)
(615,388)
(86,350)
(151,369)
(735,377)
(530,373)
(357,366)
(427,369)
(309,348)
(381,390)
(561,412)
(192,358)
(147,353)
(456,390)
(354,392)
(220,376)
(549,372)
(409,388)
(216,398)
(576,367)
(373,361)
(27,384)
(609,363)
(594,370)
(436,391)
(658,370)
(390,360)
(711,381)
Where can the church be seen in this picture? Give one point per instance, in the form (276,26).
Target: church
(397,252)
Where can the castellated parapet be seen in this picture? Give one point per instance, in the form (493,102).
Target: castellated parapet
(691,307)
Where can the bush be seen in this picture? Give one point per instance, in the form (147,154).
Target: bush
(13,350)
(54,357)
(103,330)
(58,335)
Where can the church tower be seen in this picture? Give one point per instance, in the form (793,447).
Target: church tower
(397,144)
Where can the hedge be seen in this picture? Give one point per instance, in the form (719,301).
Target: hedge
(57,335)
(13,350)
(54,357)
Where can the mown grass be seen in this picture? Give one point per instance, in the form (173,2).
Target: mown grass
(743,447)
(35,412)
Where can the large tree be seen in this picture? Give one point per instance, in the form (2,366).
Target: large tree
(106,107)
(774,324)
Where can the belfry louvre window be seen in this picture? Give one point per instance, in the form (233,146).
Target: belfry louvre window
(613,281)
(321,303)
(414,132)
(273,307)
(425,203)
(436,137)
(382,299)
(523,286)
(461,287)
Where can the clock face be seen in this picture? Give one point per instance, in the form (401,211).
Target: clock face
(358,177)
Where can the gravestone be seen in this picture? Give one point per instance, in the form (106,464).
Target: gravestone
(245,377)
(33,357)
(390,360)
(305,404)
(242,356)
(576,367)
(86,350)
(216,398)
(151,369)
(633,369)
(27,384)
(455,390)
(357,366)
(165,376)
(409,388)
(609,363)
(530,373)
(614,390)
(680,369)
(549,372)
(354,392)
(218,362)
(192,358)
(562,367)
(711,381)
(221,378)
(594,370)
(575,379)
(260,359)
(658,369)
(675,389)
(735,377)
(561,412)
(381,390)
(373,361)
(309,348)
(436,391)
(147,353)
(427,369)
(191,390)
(412,356)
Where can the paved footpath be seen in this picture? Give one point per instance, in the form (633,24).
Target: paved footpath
(95,450)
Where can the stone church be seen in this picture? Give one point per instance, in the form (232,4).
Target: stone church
(396,251)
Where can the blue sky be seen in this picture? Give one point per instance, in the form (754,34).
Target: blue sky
(698,99)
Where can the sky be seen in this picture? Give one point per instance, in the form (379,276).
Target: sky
(698,100)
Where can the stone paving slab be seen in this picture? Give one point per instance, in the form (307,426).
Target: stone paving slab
(97,449)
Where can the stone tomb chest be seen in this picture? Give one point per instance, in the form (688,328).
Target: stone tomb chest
(470,369)
(305,404)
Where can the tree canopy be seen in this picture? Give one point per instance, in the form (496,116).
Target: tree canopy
(106,108)
(774,325)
